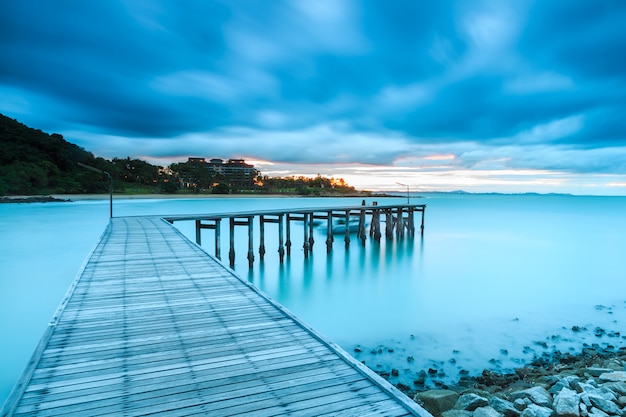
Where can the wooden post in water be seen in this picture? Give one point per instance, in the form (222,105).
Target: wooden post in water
(288,244)
(329,232)
(389,223)
(399,222)
(311,226)
(198,233)
(422,227)
(411,220)
(281,249)
(250,242)
(231,252)
(375,226)
(218,222)
(305,218)
(347,237)
(261,236)
(361,232)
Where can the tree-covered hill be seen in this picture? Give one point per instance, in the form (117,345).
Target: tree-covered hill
(33,162)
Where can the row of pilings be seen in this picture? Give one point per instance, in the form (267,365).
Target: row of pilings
(399,221)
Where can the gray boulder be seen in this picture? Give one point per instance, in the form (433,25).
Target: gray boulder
(566,403)
(605,393)
(486,412)
(594,412)
(535,410)
(617,387)
(605,405)
(504,407)
(470,402)
(617,376)
(438,400)
(521,403)
(538,395)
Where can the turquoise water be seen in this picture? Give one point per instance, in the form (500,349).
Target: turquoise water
(495,279)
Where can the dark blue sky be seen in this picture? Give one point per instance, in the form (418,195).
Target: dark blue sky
(481,95)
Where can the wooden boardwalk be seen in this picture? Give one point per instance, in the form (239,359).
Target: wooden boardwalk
(155,325)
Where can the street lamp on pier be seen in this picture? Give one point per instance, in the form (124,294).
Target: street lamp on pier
(407,192)
(110,184)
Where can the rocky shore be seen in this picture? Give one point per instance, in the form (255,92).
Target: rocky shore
(589,384)
(31,199)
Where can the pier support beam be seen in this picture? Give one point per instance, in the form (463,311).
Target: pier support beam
(329,232)
(250,243)
(361,231)
(389,223)
(231,252)
(218,232)
(288,226)
(311,226)
(215,226)
(281,248)
(261,236)
(305,220)
(347,236)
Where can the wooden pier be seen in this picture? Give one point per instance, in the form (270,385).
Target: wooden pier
(155,325)
(399,220)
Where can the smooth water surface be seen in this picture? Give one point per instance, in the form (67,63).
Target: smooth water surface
(494,280)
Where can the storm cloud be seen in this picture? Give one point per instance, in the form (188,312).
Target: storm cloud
(497,85)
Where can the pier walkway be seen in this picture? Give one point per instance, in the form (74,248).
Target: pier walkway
(154,325)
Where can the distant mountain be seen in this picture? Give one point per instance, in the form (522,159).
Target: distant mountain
(33,162)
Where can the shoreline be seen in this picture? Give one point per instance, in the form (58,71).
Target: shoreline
(593,380)
(89,197)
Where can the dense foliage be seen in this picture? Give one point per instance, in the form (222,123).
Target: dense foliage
(33,163)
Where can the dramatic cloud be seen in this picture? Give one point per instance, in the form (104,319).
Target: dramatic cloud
(512,96)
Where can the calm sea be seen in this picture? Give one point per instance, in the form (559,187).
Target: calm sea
(495,280)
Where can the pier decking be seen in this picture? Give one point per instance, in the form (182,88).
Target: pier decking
(155,325)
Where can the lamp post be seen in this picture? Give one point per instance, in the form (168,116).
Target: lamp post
(407,192)
(110,184)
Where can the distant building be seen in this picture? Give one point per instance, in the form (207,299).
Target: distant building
(238,174)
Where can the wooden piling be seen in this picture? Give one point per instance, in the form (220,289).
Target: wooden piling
(311,226)
(305,245)
(288,226)
(347,236)
(261,236)
(281,249)
(250,242)
(231,252)
(361,230)
(329,232)
(198,232)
